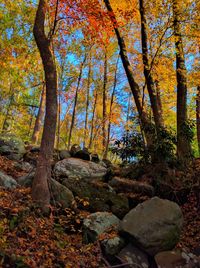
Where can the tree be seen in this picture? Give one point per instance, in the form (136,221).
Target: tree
(39,118)
(76,99)
(149,81)
(145,122)
(183,142)
(198,116)
(40,188)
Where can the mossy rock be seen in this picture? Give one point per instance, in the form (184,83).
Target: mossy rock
(100,198)
(11,146)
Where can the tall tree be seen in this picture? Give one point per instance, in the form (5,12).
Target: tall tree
(87,98)
(75,100)
(39,118)
(157,112)
(40,188)
(145,122)
(93,118)
(111,108)
(198,116)
(105,81)
(183,143)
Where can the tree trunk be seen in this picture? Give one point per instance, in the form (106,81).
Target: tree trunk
(105,80)
(7,119)
(40,115)
(183,143)
(40,188)
(157,113)
(145,122)
(59,122)
(75,102)
(87,101)
(93,116)
(159,97)
(198,116)
(110,111)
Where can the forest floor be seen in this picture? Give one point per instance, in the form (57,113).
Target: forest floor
(28,239)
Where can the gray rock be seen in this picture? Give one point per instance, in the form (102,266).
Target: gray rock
(61,194)
(129,186)
(112,246)
(78,168)
(99,194)
(7,181)
(11,146)
(98,223)
(23,166)
(26,180)
(64,154)
(177,259)
(134,257)
(155,225)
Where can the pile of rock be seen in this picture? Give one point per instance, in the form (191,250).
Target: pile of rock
(146,236)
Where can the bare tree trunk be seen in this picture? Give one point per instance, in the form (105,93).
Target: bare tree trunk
(105,80)
(40,188)
(157,113)
(183,143)
(198,116)
(93,116)
(75,101)
(129,73)
(110,111)
(87,101)
(40,115)
(158,96)
(7,119)
(59,123)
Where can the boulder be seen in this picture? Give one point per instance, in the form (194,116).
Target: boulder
(83,154)
(61,194)
(64,154)
(78,168)
(154,225)
(26,180)
(130,186)
(134,257)
(112,246)
(11,146)
(95,158)
(7,181)
(99,195)
(97,224)
(74,149)
(176,259)
(23,166)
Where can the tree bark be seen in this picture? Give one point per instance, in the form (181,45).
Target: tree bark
(145,122)
(75,101)
(183,143)
(40,188)
(105,80)
(39,118)
(87,101)
(110,111)
(198,116)
(93,116)
(8,119)
(157,112)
